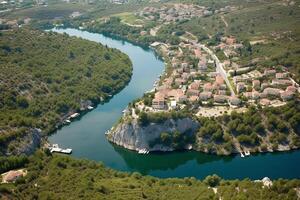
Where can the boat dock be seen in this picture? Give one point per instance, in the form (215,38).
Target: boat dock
(56,149)
(246,153)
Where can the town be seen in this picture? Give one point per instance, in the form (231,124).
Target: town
(211,87)
(178,12)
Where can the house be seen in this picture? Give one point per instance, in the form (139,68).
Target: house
(255,95)
(272,91)
(291,89)
(204,96)
(12,176)
(158,102)
(173,104)
(193,98)
(256,84)
(195,85)
(230,40)
(286,95)
(202,66)
(185,76)
(264,85)
(252,95)
(179,81)
(184,65)
(220,98)
(248,95)
(222,92)
(177,94)
(264,102)
(197,53)
(240,87)
(207,87)
(191,92)
(281,75)
(219,80)
(281,82)
(269,72)
(234,101)
(222,87)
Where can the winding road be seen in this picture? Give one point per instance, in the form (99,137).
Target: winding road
(219,66)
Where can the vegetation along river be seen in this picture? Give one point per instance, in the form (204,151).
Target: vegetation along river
(87,139)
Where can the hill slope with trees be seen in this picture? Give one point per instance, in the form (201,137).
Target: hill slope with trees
(56,177)
(45,76)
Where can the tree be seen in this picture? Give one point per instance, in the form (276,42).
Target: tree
(22,102)
(212,181)
(143,118)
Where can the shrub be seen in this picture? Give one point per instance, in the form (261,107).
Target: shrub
(212,181)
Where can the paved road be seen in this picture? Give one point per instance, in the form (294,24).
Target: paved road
(219,66)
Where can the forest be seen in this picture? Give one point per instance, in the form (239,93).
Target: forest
(46,75)
(56,177)
(259,129)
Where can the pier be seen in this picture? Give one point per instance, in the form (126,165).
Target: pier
(56,149)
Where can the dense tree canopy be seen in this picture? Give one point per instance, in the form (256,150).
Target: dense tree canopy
(46,75)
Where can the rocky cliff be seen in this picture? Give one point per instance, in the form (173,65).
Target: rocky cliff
(26,144)
(133,136)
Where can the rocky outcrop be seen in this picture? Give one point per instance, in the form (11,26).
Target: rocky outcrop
(26,144)
(133,136)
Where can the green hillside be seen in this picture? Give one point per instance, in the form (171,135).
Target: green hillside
(46,75)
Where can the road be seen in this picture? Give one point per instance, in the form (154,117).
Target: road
(219,66)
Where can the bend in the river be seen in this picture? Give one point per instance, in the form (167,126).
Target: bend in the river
(86,136)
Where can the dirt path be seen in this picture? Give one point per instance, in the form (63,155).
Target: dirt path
(223,19)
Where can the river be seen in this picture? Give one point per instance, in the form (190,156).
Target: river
(86,135)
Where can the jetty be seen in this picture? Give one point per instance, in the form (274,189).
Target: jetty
(56,149)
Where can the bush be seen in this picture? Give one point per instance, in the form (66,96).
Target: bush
(212,181)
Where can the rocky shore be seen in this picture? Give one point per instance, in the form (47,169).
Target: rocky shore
(133,136)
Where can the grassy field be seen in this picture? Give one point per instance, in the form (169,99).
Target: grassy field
(129,18)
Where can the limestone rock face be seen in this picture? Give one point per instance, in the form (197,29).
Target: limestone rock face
(26,144)
(133,136)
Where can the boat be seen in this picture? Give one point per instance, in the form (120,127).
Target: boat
(90,107)
(242,155)
(247,153)
(143,151)
(74,115)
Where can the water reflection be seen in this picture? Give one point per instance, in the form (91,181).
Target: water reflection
(165,161)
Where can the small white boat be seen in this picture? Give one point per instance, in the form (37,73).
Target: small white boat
(74,115)
(90,107)
(247,153)
(242,155)
(143,151)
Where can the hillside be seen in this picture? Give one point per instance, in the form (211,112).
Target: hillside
(57,177)
(45,76)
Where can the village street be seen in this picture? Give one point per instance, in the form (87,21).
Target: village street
(219,66)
